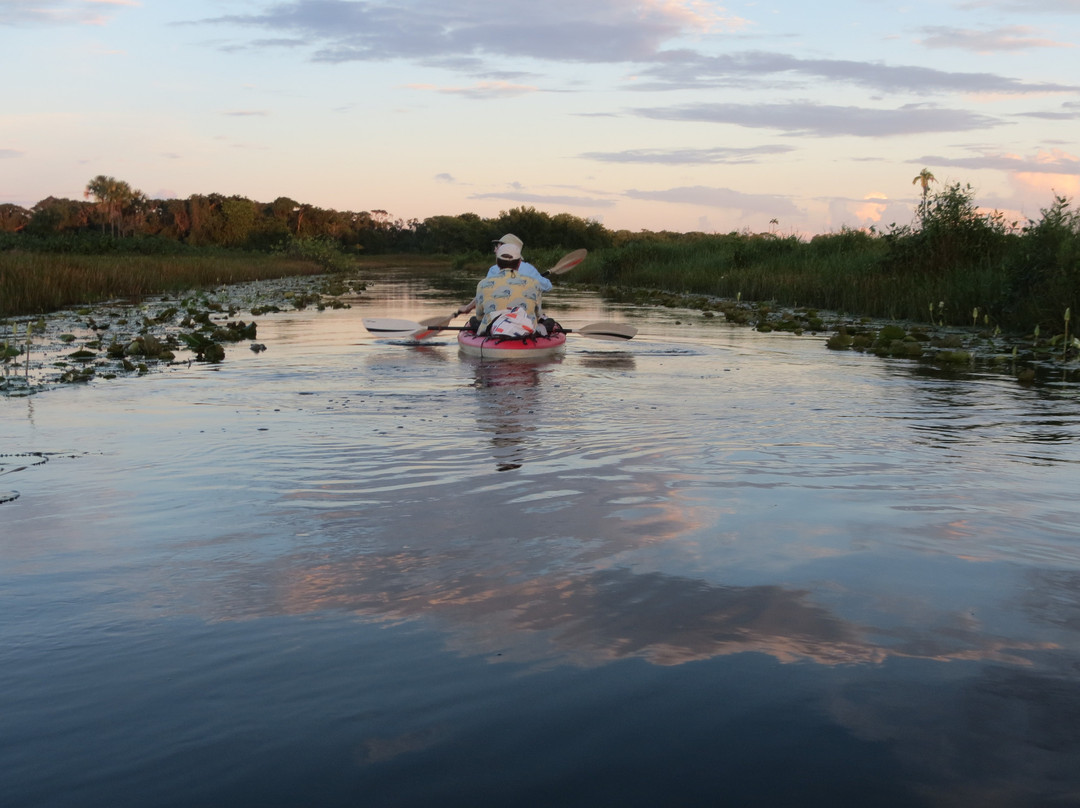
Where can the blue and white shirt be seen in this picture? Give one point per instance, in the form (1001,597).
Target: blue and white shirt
(529,271)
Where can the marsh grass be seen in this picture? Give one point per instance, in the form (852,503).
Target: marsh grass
(957,258)
(36,283)
(843,281)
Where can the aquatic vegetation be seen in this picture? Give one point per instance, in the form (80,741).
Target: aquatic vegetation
(1065,341)
(840,341)
(124,339)
(147,345)
(234,332)
(953,357)
(44,282)
(205,349)
(78,375)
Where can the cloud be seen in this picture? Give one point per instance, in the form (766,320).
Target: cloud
(1053,162)
(719,155)
(61,12)
(822,120)
(1026,6)
(278,42)
(8,154)
(246,113)
(598,31)
(482,90)
(1040,186)
(1068,112)
(686,69)
(523,198)
(700,195)
(444,177)
(872,210)
(1010,38)
(472,38)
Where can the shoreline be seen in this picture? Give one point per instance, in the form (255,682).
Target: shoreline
(80,344)
(123,338)
(1029,359)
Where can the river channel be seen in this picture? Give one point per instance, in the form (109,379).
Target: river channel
(704,567)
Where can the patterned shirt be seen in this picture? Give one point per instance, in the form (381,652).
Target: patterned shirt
(502,293)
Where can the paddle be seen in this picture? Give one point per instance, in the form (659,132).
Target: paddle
(564,264)
(407,329)
(567,262)
(433,324)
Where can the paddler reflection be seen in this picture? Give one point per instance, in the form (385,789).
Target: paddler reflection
(509,394)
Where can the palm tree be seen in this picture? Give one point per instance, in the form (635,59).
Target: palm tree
(924,178)
(111,195)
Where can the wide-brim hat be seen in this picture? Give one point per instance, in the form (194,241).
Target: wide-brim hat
(510,238)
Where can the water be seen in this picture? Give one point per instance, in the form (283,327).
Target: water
(705,567)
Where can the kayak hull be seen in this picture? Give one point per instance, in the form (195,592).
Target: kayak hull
(528,348)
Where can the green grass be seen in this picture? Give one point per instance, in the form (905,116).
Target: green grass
(1017,280)
(38,283)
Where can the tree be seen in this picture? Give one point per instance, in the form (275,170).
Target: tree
(13,218)
(239,215)
(207,221)
(924,178)
(167,218)
(452,234)
(53,215)
(111,196)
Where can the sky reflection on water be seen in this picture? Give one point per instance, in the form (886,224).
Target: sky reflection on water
(724,565)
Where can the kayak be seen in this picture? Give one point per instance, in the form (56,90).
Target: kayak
(532,347)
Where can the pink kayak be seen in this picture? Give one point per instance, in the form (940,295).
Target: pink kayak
(513,348)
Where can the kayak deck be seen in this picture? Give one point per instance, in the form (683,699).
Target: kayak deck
(517,348)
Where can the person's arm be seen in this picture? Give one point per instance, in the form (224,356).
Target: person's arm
(468,308)
(529,269)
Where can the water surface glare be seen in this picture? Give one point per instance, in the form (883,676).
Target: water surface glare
(704,567)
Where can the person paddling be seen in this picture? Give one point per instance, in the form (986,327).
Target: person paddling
(524,269)
(508,304)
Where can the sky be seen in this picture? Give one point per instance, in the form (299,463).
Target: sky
(683,115)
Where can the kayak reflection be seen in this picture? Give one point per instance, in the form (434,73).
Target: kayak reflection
(609,360)
(509,398)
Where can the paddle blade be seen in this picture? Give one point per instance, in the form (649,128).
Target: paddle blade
(392,328)
(612,331)
(432,325)
(568,262)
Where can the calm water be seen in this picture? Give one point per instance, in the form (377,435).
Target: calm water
(705,567)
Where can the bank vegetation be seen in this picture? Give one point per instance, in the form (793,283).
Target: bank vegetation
(954,263)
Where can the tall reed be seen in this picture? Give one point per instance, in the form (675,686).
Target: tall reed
(970,262)
(35,283)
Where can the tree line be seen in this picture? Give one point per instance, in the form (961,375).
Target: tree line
(952,250)
(113,209)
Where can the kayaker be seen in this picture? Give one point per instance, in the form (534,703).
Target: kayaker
(526,269)
(508,291)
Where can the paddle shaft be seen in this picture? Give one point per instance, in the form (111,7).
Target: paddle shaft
(598,331)
(408,328)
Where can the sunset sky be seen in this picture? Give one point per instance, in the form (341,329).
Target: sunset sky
(658,115)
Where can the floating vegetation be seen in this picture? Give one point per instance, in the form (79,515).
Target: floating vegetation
(940,345)
(840,341)
(205,349)
(116,340)
(77,375)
